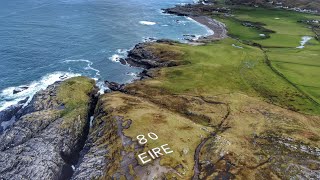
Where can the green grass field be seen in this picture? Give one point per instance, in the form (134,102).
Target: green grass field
(244,93)
(221,68)
(225,83)
(301,67)
(288,31)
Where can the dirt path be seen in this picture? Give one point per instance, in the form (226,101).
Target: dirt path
(220,129)
(196,157)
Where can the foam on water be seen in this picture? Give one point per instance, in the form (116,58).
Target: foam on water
(209,31)
(76,49)
(9,99)
(120,53)
(148,23)
(132,74)
(115,58)
(102,87)
(88,67)
(149,39)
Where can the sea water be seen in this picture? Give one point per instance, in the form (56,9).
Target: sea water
(43,41)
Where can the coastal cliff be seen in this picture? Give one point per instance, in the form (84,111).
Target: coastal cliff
(46,140)
(221,106)
(211,135)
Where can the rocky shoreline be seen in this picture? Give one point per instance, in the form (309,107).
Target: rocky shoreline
(201,13)
(60,149)
(86,137)
(45,141)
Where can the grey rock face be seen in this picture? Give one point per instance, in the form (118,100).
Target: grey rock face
(104,147)
(194,10)
(9,115)
(113,86)
(141,56)
(39,145)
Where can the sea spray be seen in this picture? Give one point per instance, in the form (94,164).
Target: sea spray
(148,23)
(9,98)
(88,67)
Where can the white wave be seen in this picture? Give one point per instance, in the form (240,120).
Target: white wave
(88,67)
(162,12)
(148,23)
(11,99)
(304,40)
(149,39)
(192,37)
(102,87)
(120,53)
(196,37)
(190,19)
(115,58)
(209,31)
(165,25)
(132,74)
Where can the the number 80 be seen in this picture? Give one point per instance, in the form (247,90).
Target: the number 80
(142,140)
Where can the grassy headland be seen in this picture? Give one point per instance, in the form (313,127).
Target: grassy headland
(283,32)
(243,107)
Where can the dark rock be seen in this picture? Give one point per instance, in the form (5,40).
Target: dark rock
(189,35)
(42,144)
(145,74)
(140,51)
(195,10)
(123,61)
(20,89)
(167,41)
(149,39)
(97,162)
(13,111)
(113,86)
(142,56)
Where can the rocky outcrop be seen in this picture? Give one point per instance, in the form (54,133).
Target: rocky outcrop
(113,86)
(10,114)
(45,141)
(195,10)
(109,152)
(143,56)
(20,89)
(105,154)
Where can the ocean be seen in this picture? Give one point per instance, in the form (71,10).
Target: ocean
(43,41)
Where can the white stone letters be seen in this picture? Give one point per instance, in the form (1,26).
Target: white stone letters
(165,149)
(153,153)
(144,157)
